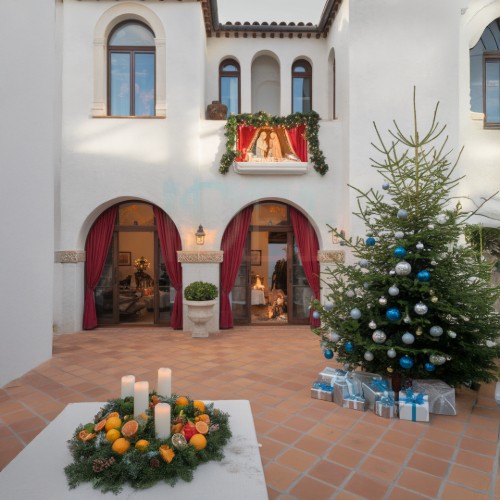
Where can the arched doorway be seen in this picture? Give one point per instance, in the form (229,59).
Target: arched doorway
(137,284)
(271,286)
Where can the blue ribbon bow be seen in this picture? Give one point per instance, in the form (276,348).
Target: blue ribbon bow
(387,400)
(322,386)
(414,400)
(379,385)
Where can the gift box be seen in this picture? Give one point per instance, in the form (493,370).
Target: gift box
(340,392)
(374,389)
(353,397)
(331,375)
(355,403)
(320,390)
(385,406)
(413,406)
(441,396)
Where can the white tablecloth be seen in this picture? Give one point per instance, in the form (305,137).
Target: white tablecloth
(258,297)
(37,473)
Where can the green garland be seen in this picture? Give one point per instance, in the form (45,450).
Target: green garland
(262,119)
(97,463)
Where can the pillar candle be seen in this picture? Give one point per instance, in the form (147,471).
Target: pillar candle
(141,397)
(162,420)
(128,382)
(165,382)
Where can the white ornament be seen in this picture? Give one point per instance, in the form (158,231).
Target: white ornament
(436,331)
(408,338)
(407,319)
(391,353)
(350,293)
(379,337)
(329,306)
(442,219)
(355,313)
(392,272)
(368,356)
(420,246)
(372,325)
(437,359)
(452,334)
(402,214)
(399,235)
(431,226)
(403,268)
(434,263)
(363,263)
(382,301)
(420,308)
(393,291)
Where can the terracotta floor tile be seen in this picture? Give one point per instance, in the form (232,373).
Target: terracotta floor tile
(400,438)
(475,461)
(403,494)
(428,464)
(309,488)
(470,478)
(380,469)
(280,477)
(312,445)
(329,472)
(442,436)
(11,446)
(366,487)
(299,423)
(391,452)
(340,420)
(478,446)
(297,459)
(420,482)
(436,450)
(345,495)
(456,492)
(325,432)
(486,434)
(361,443)
(270,448)
(346,456)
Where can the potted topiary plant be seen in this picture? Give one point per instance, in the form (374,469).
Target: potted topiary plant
(200,298)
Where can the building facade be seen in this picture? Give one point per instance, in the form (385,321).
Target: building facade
(105,115)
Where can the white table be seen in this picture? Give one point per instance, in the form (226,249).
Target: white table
(37,473)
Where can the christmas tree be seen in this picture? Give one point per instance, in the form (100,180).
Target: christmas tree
(419,302)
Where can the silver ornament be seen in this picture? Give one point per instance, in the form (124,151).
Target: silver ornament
(350,293)
(420,246)
(323,345)
(434,299)
(363,263)
(368,356)
(408,338)
(452,334)
(420,308)
(437,359)
(355,313)
(329,306)
(403,268)
(391,353)
(431,226)
(442,219)
(382,301)
(399,235)
(402,214)
(436,331)
(372,325)
(379,337)
(366,285)
(333,336)
(434,263)
(393,291)
(407,319)
(392,272)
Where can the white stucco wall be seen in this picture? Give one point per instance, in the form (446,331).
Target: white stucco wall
(27,154)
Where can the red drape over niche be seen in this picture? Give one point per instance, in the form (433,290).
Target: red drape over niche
(233,243)
(246,133)
(307,242)
(297,138)
(170,242)
(96,250)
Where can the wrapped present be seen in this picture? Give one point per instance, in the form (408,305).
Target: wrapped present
(374,390)
(354,398)
(321,390)
(413,406)
(340,392)
(331,375)
(385,406)
(355,403)
(441,396)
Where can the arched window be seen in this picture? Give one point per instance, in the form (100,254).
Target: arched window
(485,75)
(266,94)
(131,70)
(229,85)
(301,87)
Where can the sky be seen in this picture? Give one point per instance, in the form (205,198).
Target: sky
(271,10)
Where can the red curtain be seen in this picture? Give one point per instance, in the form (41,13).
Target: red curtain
(246,133)
(307,242)
(96,249)
(170,242)
(233,243)
(297,138)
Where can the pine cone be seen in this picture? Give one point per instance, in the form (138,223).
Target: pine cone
(154,463)
(100,464)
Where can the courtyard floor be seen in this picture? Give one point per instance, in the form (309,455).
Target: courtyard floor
(311,449)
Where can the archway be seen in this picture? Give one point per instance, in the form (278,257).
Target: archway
(278,275)
(131,273)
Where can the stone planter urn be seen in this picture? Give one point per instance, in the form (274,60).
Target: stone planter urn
(216,111)
(200,312)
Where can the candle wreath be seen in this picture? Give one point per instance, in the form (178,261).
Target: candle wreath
(118,448)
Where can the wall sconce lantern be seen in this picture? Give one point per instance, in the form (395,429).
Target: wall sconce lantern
(200,236)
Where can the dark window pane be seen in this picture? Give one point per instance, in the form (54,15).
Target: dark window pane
(493,91)
(144,84)
(120,83)
(229,93)
(132,34)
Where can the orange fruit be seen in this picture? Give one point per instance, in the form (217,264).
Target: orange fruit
(86,435)
(113,423)
(199,441)
(199,405)
(205,418)
(113,414)
(120,446)
(166,453)
(130,428)
(100,425)
(112,435)
(142,445)
(202,427)
(176,428)
(181,401)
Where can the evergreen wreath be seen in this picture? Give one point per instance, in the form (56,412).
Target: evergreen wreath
(147,459)
(262,119)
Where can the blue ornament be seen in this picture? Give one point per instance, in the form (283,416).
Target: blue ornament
(429,367)
(400,252)
(406,362)
(355,313)
(348,347)
(385,185)
(316,315)
(393,314)
(370,241)
(402,214)
(424,276)
(328,354)
(436,331)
